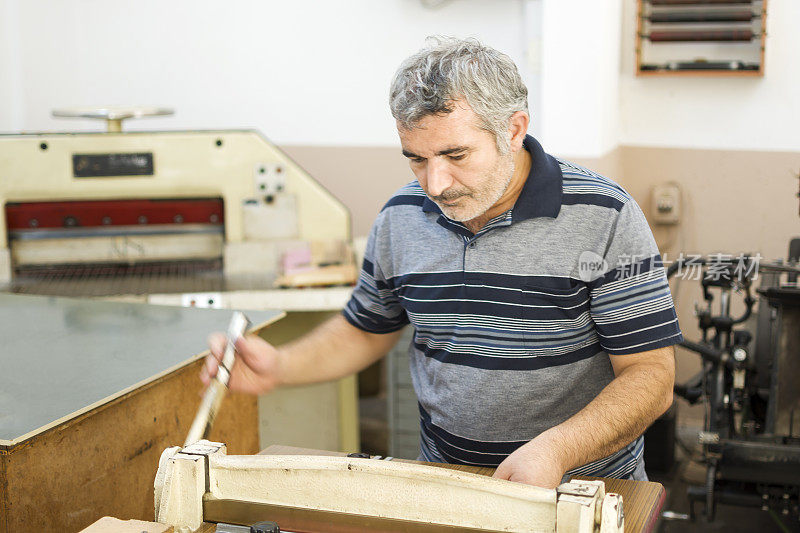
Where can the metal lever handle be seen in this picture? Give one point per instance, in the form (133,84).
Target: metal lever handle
(212,398)
(112,115)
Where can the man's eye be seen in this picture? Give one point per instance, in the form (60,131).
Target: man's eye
(457,157)
(417,159)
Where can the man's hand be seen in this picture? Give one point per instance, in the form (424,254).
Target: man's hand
(332,350)
(537,462)
(640,392)
(257,368)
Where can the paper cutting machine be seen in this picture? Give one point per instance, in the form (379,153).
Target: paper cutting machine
(201,483)
(143,212)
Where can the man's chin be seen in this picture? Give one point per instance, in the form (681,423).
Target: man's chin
(458,214)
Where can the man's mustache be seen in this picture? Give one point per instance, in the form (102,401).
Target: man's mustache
(448,196)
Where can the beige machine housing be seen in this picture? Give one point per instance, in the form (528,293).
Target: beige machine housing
(269,201)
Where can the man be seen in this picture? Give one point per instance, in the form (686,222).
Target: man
(543,320)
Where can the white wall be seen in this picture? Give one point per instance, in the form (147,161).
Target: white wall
(532,65)
(303,72)
(316,72)
(580,80)
(722,113)
(11,101)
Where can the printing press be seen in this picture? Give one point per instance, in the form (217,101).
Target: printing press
(748,383)
(195,212)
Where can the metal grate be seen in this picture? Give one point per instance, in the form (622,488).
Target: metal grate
(120,279)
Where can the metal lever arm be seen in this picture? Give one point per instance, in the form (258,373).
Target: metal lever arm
(212,398)
(112,115)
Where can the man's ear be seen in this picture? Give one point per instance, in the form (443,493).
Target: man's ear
(517,129)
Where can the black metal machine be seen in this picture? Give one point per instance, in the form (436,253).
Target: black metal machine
(751,390)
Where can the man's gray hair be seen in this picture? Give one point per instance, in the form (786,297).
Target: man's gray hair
(449,69)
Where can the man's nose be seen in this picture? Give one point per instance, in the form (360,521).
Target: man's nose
(438,177)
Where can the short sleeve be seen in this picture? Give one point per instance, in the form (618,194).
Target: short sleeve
(631,304)
(373,306)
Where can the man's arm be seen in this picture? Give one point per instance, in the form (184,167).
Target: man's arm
(640,393)
(333,350)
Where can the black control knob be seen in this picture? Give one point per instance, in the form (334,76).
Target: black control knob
(265,527)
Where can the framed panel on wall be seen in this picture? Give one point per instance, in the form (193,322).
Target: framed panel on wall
(700,37)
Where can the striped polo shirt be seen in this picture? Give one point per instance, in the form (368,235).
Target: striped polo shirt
(513,325)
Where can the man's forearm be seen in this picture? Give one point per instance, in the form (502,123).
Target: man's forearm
(332,350)
(619,414)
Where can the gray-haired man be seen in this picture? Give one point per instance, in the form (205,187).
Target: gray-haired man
(543,322)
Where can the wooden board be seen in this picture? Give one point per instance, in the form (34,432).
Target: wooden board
(101,460)
(643,500)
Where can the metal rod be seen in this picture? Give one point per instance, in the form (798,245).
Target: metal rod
(212,398)
(684,17)
(697,2)
(735,66)
(708,35)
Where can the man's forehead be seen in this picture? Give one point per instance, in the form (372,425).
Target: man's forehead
(430,146)
(450,149)
(434,135)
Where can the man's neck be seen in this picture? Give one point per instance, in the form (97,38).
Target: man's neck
(522,167)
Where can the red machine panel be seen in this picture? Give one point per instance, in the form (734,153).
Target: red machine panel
(96,213)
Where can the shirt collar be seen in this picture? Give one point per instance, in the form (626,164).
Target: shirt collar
(541,194)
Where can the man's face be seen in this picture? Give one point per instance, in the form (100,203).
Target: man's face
(456,163)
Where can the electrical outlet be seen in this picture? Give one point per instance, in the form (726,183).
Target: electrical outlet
(666,204)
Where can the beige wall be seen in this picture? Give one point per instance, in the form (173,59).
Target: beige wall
(732,202)
(363,178)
